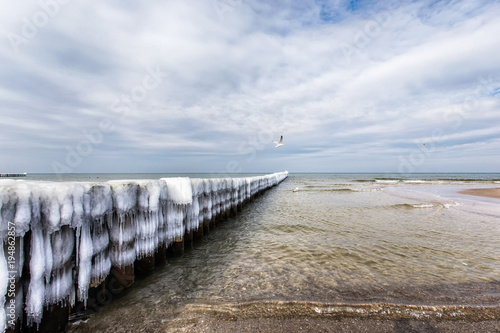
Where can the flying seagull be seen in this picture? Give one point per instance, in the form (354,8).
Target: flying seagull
(279,144)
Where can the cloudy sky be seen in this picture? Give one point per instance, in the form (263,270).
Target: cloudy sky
(206,86)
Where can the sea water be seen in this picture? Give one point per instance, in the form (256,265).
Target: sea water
(336,239)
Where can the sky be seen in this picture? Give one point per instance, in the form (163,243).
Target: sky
(206,86)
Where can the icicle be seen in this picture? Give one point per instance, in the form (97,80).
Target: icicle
(48,256)
(208,199)
(85,263)
(122,228)
(180,194)
(60,280)
(36,289)
(3,288)
(147,219)
(62,247)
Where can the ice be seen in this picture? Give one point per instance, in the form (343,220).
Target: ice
(22,216)
(84,262)
(56,205)
(101,263)
(122,237)
(81,199)
(122,227)
(3,289)
(180,198)
(124,196)
(49,259)
(19,305)
(36,290)
(58,270)
(100,225)
(62,247)
(123,230)
(60,286)
(8,198)
(197,216)
(100,237)
(101,266)
(12,271)
(179,190)
(208,202)
(147,220)
(101,200)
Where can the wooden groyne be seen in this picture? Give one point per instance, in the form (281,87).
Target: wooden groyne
(12,175)
(71,247)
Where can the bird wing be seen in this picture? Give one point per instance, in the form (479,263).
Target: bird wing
(281,140)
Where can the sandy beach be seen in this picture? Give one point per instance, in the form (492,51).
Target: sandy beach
(274,317)
(221,322)
(483,192)
(277,325)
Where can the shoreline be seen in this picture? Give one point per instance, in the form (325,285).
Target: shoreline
(338,325)
(493,192)
(293,316)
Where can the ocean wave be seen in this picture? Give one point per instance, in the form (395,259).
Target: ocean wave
(345,189)
(388,311)
(420,205)
(423,180)
(388,181)
(366,189)
(427,205)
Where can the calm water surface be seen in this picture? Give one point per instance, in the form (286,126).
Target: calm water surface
(340,238)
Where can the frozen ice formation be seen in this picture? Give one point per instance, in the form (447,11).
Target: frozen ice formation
(71,234)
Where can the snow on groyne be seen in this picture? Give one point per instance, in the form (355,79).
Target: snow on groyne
(61,240)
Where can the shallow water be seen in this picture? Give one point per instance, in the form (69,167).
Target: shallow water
(347,239)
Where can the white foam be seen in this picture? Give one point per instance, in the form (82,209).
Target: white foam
(424,205)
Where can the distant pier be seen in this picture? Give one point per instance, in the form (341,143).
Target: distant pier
(2,175)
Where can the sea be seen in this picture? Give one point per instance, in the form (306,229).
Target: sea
(330,243)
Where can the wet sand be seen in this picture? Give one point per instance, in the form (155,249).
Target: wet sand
(276,325)
(483,192)
(212,323)
(275,317)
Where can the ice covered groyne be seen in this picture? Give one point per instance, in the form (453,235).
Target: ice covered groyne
(65,240)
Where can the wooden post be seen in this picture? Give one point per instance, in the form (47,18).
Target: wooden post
(206,226)
(55,319)
(121,278)
(161,254)
(177,247)
(145,265)
(199,233)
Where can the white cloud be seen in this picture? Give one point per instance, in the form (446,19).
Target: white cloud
(375,80)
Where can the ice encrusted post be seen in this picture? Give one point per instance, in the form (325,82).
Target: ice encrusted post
(67,246)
